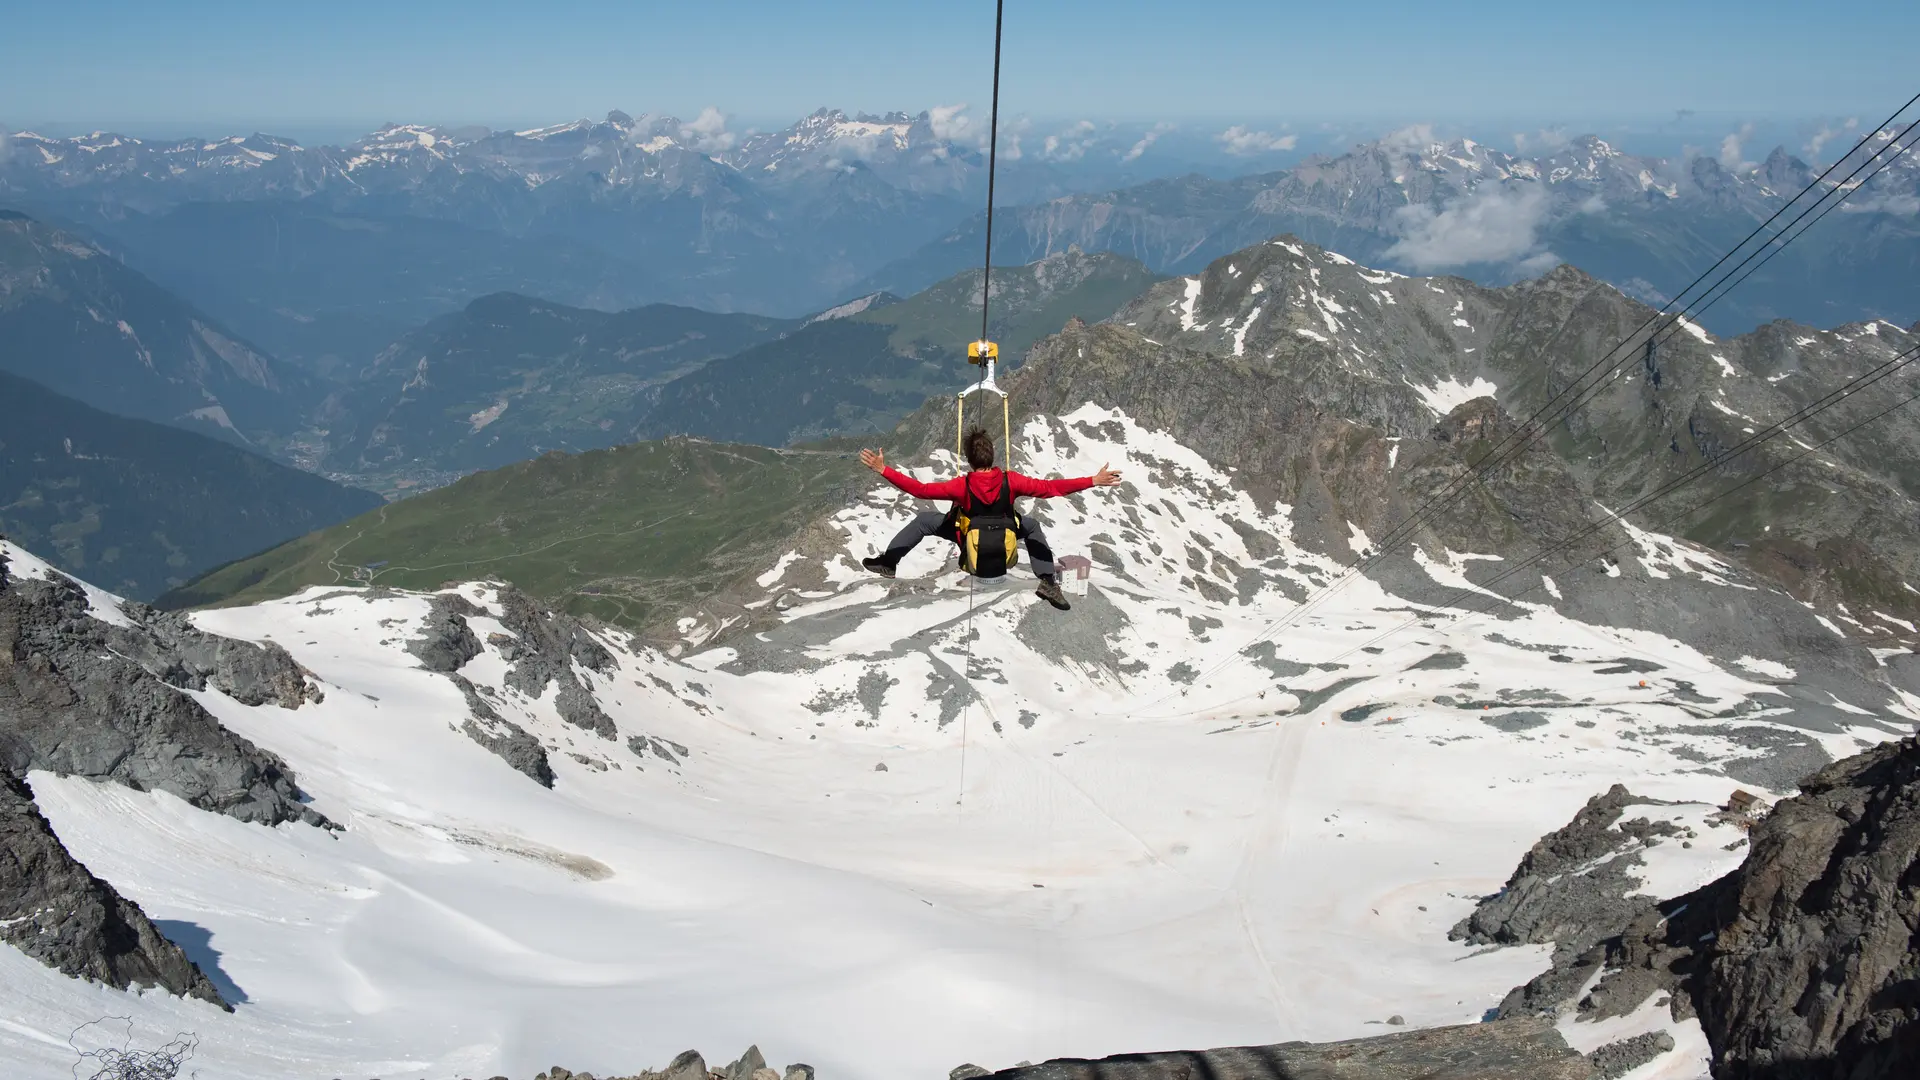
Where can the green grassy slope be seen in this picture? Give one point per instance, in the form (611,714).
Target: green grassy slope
(628,534)
(865,372)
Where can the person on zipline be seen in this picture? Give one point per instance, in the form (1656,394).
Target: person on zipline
(982,488)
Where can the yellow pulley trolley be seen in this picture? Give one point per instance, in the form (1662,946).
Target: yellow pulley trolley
(984,354)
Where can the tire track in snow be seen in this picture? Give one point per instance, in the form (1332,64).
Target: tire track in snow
(1270,837)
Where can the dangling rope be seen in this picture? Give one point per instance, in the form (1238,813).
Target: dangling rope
(986,292)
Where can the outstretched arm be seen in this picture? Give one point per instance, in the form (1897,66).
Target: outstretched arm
(877,461)
(1048,489)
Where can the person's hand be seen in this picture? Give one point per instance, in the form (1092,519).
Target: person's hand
(1105,477)
(874,459)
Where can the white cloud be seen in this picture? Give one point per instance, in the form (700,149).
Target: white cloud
(709,132)
(1902,203)
(1491,225)
(1543,140)
(5,143)
(1240,142)
(1411,139)
(1730,158)
(950,123)
(1827,134)
(1538,263)
(1146,141)
(1069,145)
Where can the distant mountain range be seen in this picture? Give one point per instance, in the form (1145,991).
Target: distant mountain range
(1413,204)
(510,377)
(323,254)
(141,507)
(317,249)
(73,318)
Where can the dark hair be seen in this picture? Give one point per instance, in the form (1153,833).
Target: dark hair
(979,447)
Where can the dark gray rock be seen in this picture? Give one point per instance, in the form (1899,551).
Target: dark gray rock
(180,654)
(1523,1049)
(1801,964)
(507,740)
(545,647)
(1620,1058)
(76,699)
(1813,970)
(1573,887)
(750,1062)
(446,641)
(54,910)
(689,1065)
(577,706)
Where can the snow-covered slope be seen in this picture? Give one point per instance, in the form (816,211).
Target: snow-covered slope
(914,822)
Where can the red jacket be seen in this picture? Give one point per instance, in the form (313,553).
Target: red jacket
(986,486)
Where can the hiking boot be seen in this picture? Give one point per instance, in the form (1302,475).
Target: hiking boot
(1049,591)
(878,566)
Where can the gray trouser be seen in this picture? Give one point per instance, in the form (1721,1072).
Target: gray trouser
(934,523)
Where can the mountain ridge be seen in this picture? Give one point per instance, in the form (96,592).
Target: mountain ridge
(144,507)
(87,326)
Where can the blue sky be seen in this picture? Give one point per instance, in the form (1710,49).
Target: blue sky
(215,65)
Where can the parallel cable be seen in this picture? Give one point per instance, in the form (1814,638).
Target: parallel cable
(1482,595)
(1462,618)
(1885,370)
(1660,337)
(1401,532)
(1526,434)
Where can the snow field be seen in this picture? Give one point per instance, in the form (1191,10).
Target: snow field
(1160,841)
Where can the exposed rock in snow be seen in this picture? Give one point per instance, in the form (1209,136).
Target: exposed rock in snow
(53,910)
(85,698)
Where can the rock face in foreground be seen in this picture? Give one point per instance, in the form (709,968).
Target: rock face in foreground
(80,697)
(1803,964)
(54,910)
(1814,969)
(1520,1049)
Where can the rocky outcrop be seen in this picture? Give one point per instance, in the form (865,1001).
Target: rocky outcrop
(544,649)
(1813,970)
(1617,1059)
(1573,888)
(54,910)
(1522,1049)
(691,1066)
(1803,964)
(181,654)
(446,641)
(507,740)
(79,697)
